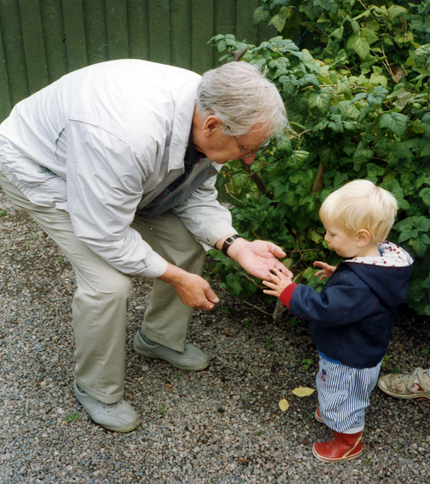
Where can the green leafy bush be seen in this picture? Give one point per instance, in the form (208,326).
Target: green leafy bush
(359,107)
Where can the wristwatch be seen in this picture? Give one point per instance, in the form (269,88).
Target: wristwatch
(228,241)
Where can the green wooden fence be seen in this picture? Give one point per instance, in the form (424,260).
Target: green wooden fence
(41,40)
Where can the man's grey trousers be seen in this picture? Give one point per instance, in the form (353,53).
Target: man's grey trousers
(102,298)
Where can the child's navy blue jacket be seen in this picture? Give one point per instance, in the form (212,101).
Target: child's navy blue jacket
(351,319)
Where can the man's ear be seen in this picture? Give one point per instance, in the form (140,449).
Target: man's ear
(210,125)
(363,238)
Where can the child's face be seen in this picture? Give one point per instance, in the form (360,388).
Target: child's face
(343,244)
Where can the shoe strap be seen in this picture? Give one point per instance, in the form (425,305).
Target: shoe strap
(417,374)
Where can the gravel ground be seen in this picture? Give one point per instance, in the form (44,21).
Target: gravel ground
(222,425)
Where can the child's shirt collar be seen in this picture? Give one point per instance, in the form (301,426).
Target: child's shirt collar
(392,255)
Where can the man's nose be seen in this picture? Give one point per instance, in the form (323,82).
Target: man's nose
(249,159)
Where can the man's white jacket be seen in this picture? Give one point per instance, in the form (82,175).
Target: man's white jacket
(100,142)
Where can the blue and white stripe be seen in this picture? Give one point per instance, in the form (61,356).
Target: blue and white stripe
(343,394)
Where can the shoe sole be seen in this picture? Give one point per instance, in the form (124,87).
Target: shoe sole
(403,397)
(122,430)
(324,459)
(317,418)
(154,357)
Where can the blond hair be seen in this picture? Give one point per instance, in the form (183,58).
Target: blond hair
(360,204)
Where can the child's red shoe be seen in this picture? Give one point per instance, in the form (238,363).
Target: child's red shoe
(340,447)
(318,415)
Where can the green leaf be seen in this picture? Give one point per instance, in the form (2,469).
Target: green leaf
(240,180)
(260,15)
(363,155)
(395,122)
(422,54)
(339,179)
(377,96)
(369,36)
(337,33)
(374,171)
(422,224)
(234,285)
(336,123)
(425,195)
(420,244)
(283,144)
(297,159)
(221,46)
(395,10)
(309,80)
(363,114)
(407,235)
(320,101)
(378,78)
(400,153)
(278,20)
(360,42)
(403,97)
(289,84)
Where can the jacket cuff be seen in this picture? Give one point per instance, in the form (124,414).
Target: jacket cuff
(156,266)
(287,294)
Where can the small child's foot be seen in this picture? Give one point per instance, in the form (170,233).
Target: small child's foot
(341,447)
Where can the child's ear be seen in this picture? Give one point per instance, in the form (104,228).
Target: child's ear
(363,238)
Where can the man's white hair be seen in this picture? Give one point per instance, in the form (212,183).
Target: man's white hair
(239,94)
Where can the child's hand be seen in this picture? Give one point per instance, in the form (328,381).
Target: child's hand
(326,270)
(279,281)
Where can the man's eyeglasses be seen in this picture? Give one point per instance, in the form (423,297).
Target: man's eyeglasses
(260,149)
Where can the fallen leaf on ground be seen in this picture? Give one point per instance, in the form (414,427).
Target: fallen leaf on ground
(283,405)
(303,391)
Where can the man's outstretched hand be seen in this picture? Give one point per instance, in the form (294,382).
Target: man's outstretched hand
(258,257)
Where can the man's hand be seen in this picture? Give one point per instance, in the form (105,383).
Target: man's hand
(258,257)
(277,283)
(326,270)
(193,290)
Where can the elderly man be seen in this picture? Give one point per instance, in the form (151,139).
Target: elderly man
(117,163)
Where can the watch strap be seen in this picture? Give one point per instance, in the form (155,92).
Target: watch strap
(228,241)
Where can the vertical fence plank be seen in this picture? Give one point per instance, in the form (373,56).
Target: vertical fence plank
(95,31)
(14,54)
(5,106)
(245,29)
(54,38)
(264,31)
(180,33)
(74,34)
(225,17)
(202,54)
(34,46)
(138,29)
(116,24)
(159,33)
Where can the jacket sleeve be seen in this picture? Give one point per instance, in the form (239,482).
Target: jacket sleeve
(104,187)
(346,301)
(204,216)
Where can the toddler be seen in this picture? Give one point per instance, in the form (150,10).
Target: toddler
(351,319)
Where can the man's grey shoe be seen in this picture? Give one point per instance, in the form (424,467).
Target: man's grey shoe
(119,417)
(191,359)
